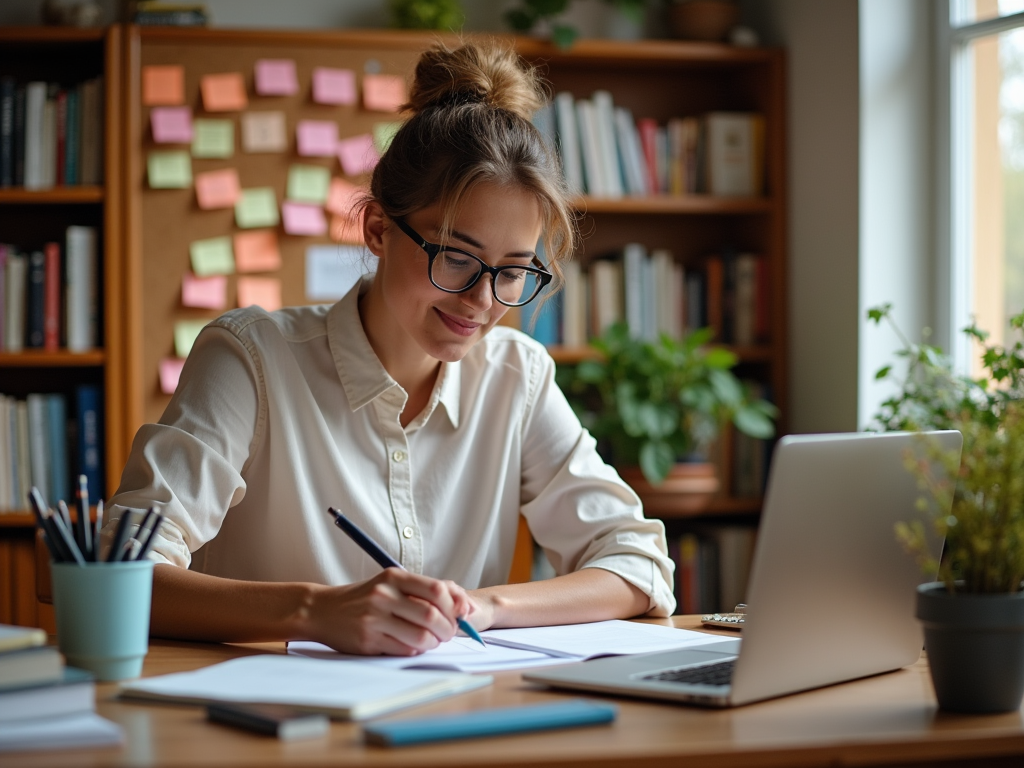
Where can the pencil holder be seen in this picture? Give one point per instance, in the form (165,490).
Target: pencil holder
(102,614)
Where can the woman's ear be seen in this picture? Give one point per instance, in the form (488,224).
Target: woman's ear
(373,228)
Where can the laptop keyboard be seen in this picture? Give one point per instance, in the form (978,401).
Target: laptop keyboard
(710,674)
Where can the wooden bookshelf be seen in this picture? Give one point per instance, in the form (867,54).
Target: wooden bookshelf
(33,358)
(57,195)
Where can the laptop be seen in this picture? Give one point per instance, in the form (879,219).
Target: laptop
(831,593)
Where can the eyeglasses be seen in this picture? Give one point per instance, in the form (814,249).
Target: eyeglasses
(456,271)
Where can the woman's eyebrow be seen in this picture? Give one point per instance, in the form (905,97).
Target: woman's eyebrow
(471,241)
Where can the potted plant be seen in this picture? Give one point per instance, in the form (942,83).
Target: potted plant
(443,15)
(655,408)
(973,615)
(547,16)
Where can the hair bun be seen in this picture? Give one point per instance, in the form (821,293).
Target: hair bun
(487,73)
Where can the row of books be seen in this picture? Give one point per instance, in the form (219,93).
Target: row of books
(654,294)
(712,568)
(45,445)
(50,135)
(606,153)
(49,296)
(44,704)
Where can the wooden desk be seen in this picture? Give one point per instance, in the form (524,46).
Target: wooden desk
(885,720)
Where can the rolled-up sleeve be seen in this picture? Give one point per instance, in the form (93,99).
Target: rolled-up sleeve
(578,509)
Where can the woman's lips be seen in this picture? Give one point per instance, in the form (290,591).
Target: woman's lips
(457,325)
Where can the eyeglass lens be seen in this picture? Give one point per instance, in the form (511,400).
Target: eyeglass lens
(456,272)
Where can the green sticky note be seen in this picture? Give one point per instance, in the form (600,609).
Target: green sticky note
(169,170)
(213,138)
(185,333)
(212,257)
(383,133)
(257,208)
(308,184)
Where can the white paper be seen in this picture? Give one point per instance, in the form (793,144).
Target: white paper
(331,270)
(83,730)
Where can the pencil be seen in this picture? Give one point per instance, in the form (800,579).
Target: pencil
(83,525)
(120,534)
(96,531)
(148,545)
(49,535)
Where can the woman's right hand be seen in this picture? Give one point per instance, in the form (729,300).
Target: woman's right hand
(396,613)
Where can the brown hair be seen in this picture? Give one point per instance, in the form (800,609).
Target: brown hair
(471,109)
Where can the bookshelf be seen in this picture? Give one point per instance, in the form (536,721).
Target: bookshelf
(30,217)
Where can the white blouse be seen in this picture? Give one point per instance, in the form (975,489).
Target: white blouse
(279,416)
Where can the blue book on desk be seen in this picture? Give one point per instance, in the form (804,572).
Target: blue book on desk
(490,722)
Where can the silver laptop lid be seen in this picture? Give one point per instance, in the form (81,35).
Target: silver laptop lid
(831,591)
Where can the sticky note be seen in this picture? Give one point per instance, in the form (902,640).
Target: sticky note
(257,251)
(343,196)
(169,170)
(213,138)
(331,270)
(316,138)
(185,333)
(383,93)
(171,125)
(205,292)
(308,184)
(276,77)
(217,189)
(334,86)
(224,92)
(303,219)
(163,86)
(357,154)
(383,133)
(212,256)
(260,292)
(170,373)
(347,229)
(264,132)
(257,207)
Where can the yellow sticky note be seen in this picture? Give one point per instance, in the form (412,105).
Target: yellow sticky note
(185,334)
(169,170)
(383,133)
(163,86)
(308,183)
(212,257)
(213,138)
(257,207)
(224,92)
(260,291)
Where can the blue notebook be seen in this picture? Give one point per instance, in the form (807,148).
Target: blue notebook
(490,722)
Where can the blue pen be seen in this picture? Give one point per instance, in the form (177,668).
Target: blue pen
(384,560)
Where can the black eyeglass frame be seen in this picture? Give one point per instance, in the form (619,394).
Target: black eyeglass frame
(434,249)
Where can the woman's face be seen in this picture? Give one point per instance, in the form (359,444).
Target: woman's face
(500,225)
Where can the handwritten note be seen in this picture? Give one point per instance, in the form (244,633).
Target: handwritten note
(213,138)
(204,292)
(163,86)
(316,138)
(332,270)
(343,196)
(170,373)
(217,189)
(358,154)
(257,251)
(302,219)
(212,256)
(169,170)
(276,77)
(223,92)
(257,207)
(171,125)
(262,292)
(308,184)
(347,229)
(185,334)
(383,93)
(334,86)
(383,133)
(264,132)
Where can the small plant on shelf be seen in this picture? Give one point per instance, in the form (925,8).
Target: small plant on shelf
(654,404)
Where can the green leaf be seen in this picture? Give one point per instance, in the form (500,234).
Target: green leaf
(753,422)
(877,314)
(883,372)
(656,460)
(563,36)
(726,387)
(591,371)
(721,358)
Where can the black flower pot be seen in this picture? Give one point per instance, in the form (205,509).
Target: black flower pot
(975,647)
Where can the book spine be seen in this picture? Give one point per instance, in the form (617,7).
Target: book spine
(89,455)
(49,142)
(593,166)
(574,331)
(6,490)
(61,137)
(4,249)
(73,138)
(632,163)
(648,130)
(38,437)
(34,332)
(56,443)
(81,296)
(19,137)
(7,91)
(89,109)
(35,104)
(51,298)
(715,283)
(676,157)
(633,257)
(746,298)
(611,166)
(762,305)
(15,288)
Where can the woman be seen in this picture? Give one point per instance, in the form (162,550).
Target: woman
(407,408)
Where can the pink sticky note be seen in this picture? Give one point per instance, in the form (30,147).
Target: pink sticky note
(260,292)
(171,125)
(347,229)
(334,86)
(204,292)
(303,219)
(223,93)
(343,196)
(170,372)
(316,138)
(276,77)
(218,189)
(383,93)
(257,251)
(357,154)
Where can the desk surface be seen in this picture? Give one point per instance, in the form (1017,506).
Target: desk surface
(884,720)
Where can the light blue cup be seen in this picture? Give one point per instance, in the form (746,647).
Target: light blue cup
(103,616)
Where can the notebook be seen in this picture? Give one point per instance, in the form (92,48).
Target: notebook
(343,691)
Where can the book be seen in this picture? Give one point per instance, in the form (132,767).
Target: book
(30,666)
(56,444)
(60,136)
(648,130)
(714,270)
(343,691)
(24,478)
(85,729)
(19,137)
(4,250)
(606,294)
(733,154)
(89,421)
(72,692)
(73,138)
(15,288)
(39,451)
(35,103)
(604,121)
(569,142)
(35,309)
(7,91)
(633,164)
(590,143)
(270,719)
(634,256)
(745,299)
(13,638)
(81,291)
(574,305)
(91,132)
(51,296)
(49,137)
(6,455)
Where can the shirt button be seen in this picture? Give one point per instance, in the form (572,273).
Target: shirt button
(398,456)
(408,532)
